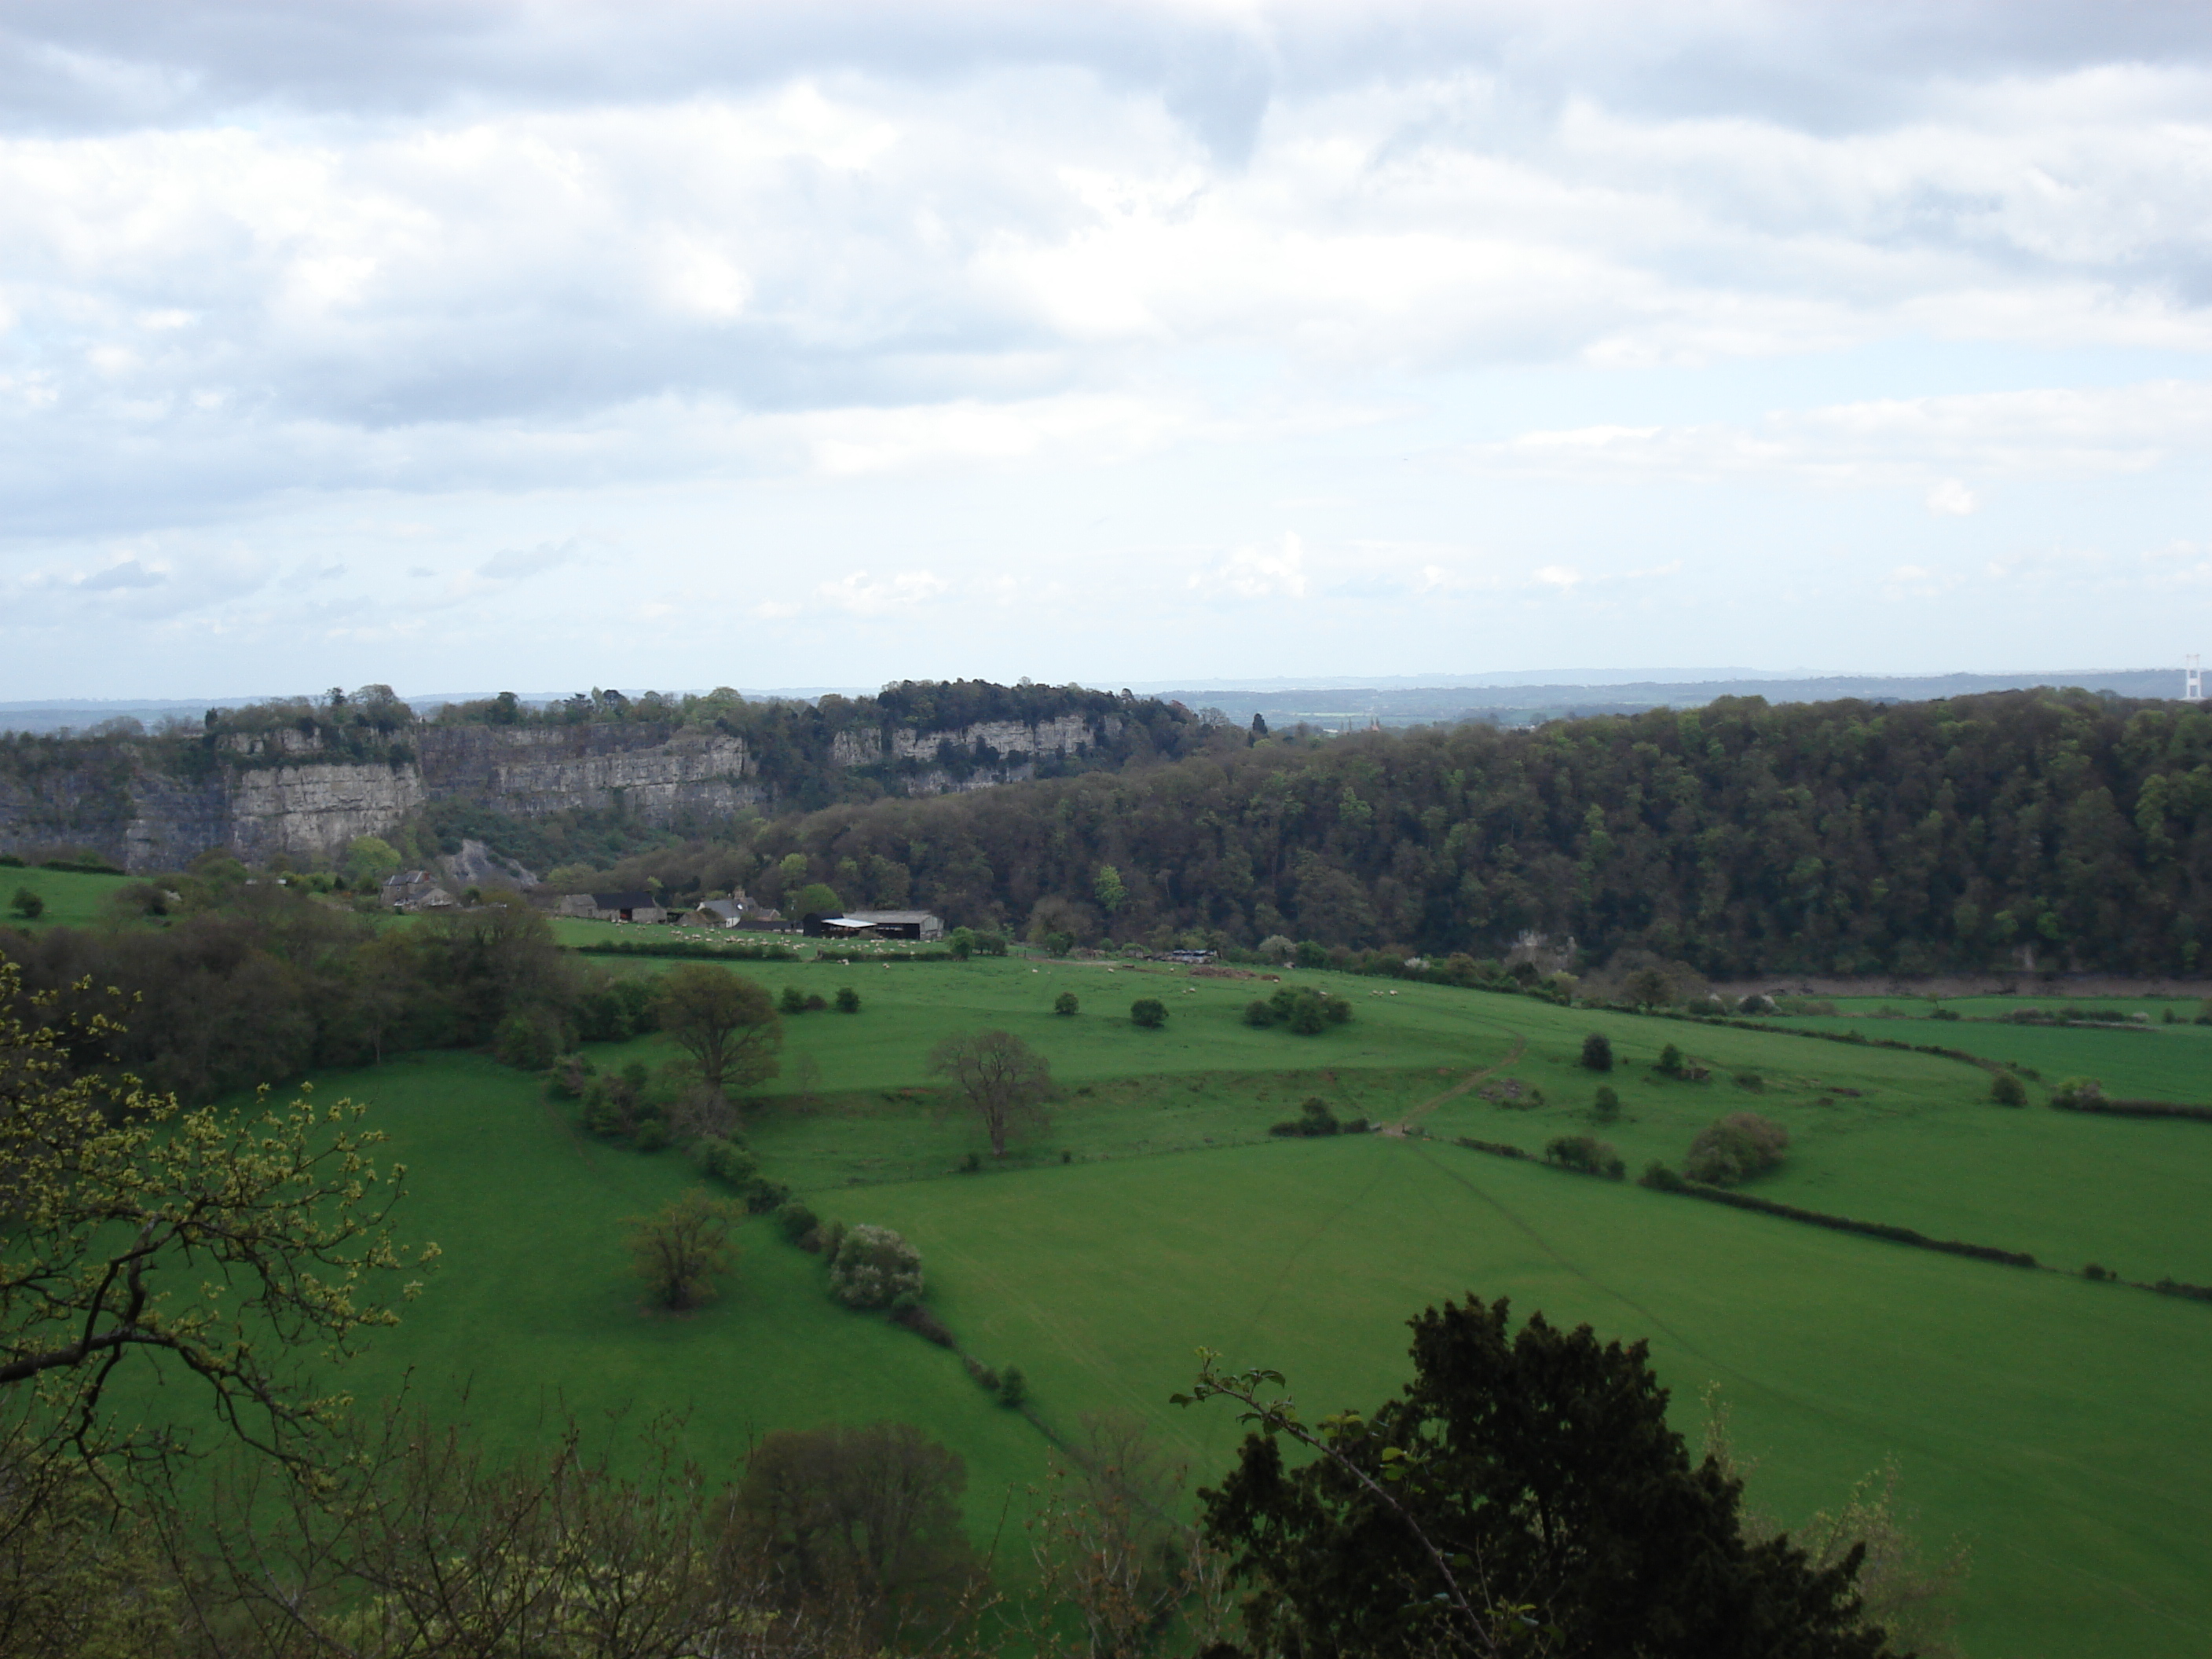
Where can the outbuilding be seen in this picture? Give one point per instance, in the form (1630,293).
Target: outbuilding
(918,926)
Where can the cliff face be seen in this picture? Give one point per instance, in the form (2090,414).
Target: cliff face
(151,806)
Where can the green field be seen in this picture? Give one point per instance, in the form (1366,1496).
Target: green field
(2055,1424)
(73,899)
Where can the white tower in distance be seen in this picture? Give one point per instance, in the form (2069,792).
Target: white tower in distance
(2192,679)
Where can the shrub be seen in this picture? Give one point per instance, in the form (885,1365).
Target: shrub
(2007,1090)
(875,1268)
(1597,1052)
(795,1218)
(1013,1387)
(1276,948)
(972,1164)
(652,1136)
(2092,1271)
(1310,954)
(529,1042)
(1585,1154)
(1670,1061)
(27,904)
(1735,1149)
(1355,1126)
(1608,1103)
(1148,1011)
(1065,1003)
(985,1376)
(763,1196)
(1659,1178)
(792,1001)
(2079,1092)
(729,1162)
(923,1323)
(572,1076)
(848,1000)
(815,1002)
(1257,1012)
(1314,1118)
(1751,1080)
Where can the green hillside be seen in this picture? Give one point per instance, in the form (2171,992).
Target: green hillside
(2039,1416)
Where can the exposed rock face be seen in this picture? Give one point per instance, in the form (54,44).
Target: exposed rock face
(311,810)
(261,794)
(531,771)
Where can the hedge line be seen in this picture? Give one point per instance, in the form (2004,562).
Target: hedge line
(675,947)
(1845,1225)
(2136,1108)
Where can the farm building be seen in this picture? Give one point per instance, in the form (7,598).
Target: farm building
(415,889)
(611,907)
(918,925)
(716,913)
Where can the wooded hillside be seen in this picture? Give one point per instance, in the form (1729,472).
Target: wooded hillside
(1835,836)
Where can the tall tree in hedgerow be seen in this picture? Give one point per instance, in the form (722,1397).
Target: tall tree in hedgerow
(1523,1495)
(727,1024)
(999,1077)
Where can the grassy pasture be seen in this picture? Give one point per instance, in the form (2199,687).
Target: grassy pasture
(73,898)
(2055,1423)
(2155,1062)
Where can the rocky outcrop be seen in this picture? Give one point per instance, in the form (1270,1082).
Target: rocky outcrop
(532,771)
(152,804)
(308,811)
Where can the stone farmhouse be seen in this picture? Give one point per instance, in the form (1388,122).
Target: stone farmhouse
(416,889)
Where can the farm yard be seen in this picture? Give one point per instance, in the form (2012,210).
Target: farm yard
(2050,1422)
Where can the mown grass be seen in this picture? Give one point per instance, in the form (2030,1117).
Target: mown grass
(2053,1422)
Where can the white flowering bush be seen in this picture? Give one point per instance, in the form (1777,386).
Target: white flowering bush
(875,1268)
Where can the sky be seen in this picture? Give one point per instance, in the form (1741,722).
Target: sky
(457,345)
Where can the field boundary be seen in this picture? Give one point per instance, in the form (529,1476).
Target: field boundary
(2138,1108)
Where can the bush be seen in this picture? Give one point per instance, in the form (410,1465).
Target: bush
(652,1136)
(1013,1387)
(794,1219)
(985,1376)
(1314,1118)
(729,1162)
(1148,1011)
(528,1041)
(848,1000)
(572,1077)
(1310,954)
(1597,1052)
(1670,1061)
(1584,1154)
(1065,1003)
(2092,1271)
(875,1268)
(2079,1092)
(815,1002)
(763,1196)
(1659,1178)
(1751,1080)
(1608,1103)
(2007,1090)
(1257,1012)
(923,1323)
(1735,1149)
(27,904)
(792,1001)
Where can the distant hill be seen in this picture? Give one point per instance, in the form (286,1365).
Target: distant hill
(1518,699)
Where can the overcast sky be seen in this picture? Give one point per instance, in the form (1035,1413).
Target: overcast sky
(457,344)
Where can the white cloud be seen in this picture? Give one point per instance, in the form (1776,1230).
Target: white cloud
(2055,431)
(863,595)
(1253,573)
(1952,499)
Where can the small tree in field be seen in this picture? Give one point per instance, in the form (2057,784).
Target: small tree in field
(2007,1090)
(1065,1003)
(27,904)
(1597,1052)
(1148,1011)
(683,1247)
(997,1076)
(727,1024)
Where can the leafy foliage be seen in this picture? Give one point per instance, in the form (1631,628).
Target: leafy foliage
(875,1268)
(1735,1149)
(680,1249)
(999,1077)
(1523,1494)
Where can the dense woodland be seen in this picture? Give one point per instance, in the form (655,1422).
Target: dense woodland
(2063,829)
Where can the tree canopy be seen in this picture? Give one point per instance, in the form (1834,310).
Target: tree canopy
(999,1077)
(1523,1494)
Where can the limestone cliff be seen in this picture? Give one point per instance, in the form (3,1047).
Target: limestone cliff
(156,803)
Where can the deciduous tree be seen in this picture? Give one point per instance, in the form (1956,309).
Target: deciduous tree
(724,1022)
(681,1249)
(999,1077)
